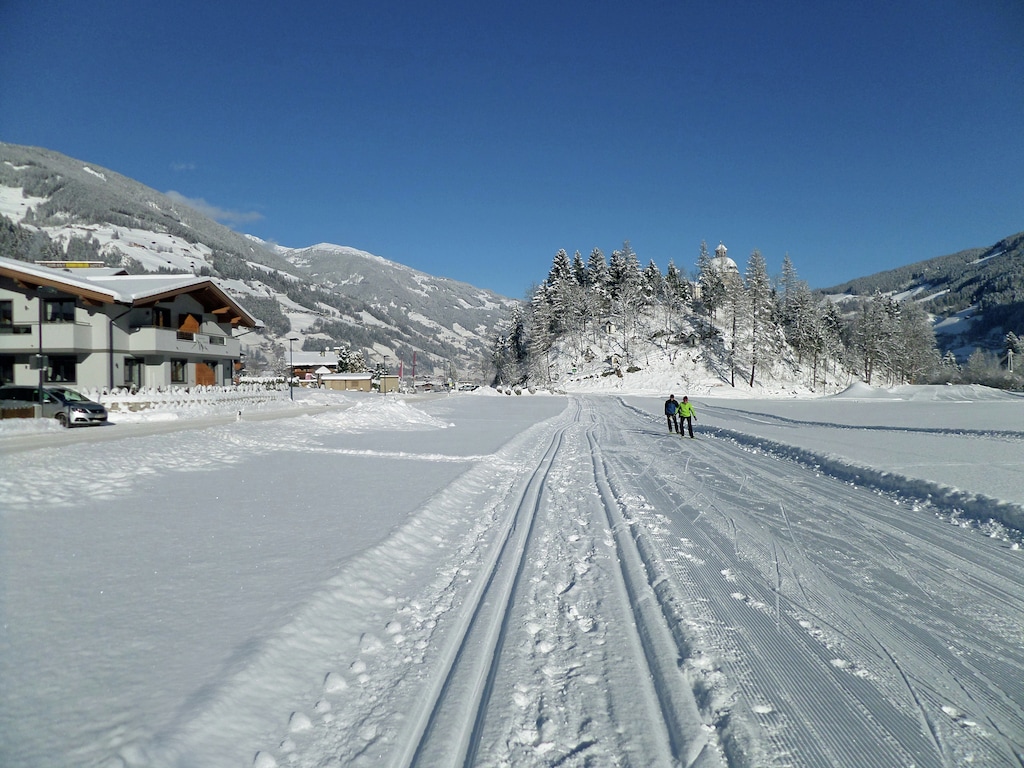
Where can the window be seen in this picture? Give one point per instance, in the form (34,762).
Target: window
(6,369)
(133,372)
(161,317)
(179,368)
(7,319)
(59,310)
(62,368)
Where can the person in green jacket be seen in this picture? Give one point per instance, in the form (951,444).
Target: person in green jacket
(686,415)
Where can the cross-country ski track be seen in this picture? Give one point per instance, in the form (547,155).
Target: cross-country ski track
(598,592)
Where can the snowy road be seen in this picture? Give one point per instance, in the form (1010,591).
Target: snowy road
(572,586)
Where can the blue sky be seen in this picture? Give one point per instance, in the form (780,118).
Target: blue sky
(473,142)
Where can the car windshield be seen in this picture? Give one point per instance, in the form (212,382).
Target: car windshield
(69,395)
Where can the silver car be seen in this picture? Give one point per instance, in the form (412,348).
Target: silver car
(67,406)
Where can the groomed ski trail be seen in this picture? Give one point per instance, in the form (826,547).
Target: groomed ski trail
(598,592)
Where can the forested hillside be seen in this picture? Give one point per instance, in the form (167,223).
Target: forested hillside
(748,327)
(981,287)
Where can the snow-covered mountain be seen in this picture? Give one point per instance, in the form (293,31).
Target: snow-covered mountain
(56,207)
(975,297)
(447,317)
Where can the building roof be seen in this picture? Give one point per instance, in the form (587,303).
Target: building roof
(306,358)
(722,263)
(347,376)
(99,286)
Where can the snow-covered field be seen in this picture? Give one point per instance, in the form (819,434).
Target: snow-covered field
(527,581)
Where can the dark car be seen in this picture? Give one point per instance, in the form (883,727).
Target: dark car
(67,406)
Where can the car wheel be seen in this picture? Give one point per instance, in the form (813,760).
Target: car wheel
(62,419)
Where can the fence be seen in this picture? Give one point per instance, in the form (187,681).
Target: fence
(187,398)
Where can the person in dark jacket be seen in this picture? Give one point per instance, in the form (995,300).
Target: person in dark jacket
(671,409)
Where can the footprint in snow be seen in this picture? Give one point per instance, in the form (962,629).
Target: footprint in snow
(299,723)
(333,682)
(369,643)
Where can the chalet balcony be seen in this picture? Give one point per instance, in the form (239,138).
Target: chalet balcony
(58,338)
(170,341)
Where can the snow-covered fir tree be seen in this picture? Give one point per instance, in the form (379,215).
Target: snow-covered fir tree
(619,314)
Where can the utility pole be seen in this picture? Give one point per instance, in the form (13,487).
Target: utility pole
(291,368)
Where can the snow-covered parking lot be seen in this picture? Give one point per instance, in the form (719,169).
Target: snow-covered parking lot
(528,581)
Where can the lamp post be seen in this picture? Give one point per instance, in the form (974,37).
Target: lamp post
(291,368)
(42,292)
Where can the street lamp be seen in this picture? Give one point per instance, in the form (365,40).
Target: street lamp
(42,292)
(291,368)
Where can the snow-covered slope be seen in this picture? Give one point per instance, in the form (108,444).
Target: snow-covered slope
(57,207)
(974,297)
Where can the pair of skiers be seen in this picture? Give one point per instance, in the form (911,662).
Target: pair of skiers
(679,414)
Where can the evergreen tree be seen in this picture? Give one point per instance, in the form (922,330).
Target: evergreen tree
(579,269)
(915,355)
(872,335)
(759,297)
(510,354)
(543,331)
(711,282)
(625,281)
(598,301)
(677,290)
(734,301)
(561,283)
(827,343)
(652,284)
(788,282)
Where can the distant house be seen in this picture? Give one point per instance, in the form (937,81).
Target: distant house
(104,328)
(348,382)
(305,364)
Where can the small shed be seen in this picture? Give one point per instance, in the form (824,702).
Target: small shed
(320,372)
(348,382)
(389,383)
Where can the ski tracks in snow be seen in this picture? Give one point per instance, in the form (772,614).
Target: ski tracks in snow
(852,629)
(511,622)
(559,654)
(600,593)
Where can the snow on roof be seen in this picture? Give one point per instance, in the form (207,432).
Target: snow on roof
(346,376)
(308,357)
(100,285)
(134,287)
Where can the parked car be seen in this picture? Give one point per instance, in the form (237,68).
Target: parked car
(67,406)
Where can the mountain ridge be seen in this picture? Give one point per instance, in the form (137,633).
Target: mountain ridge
(56,207)
(975,296)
